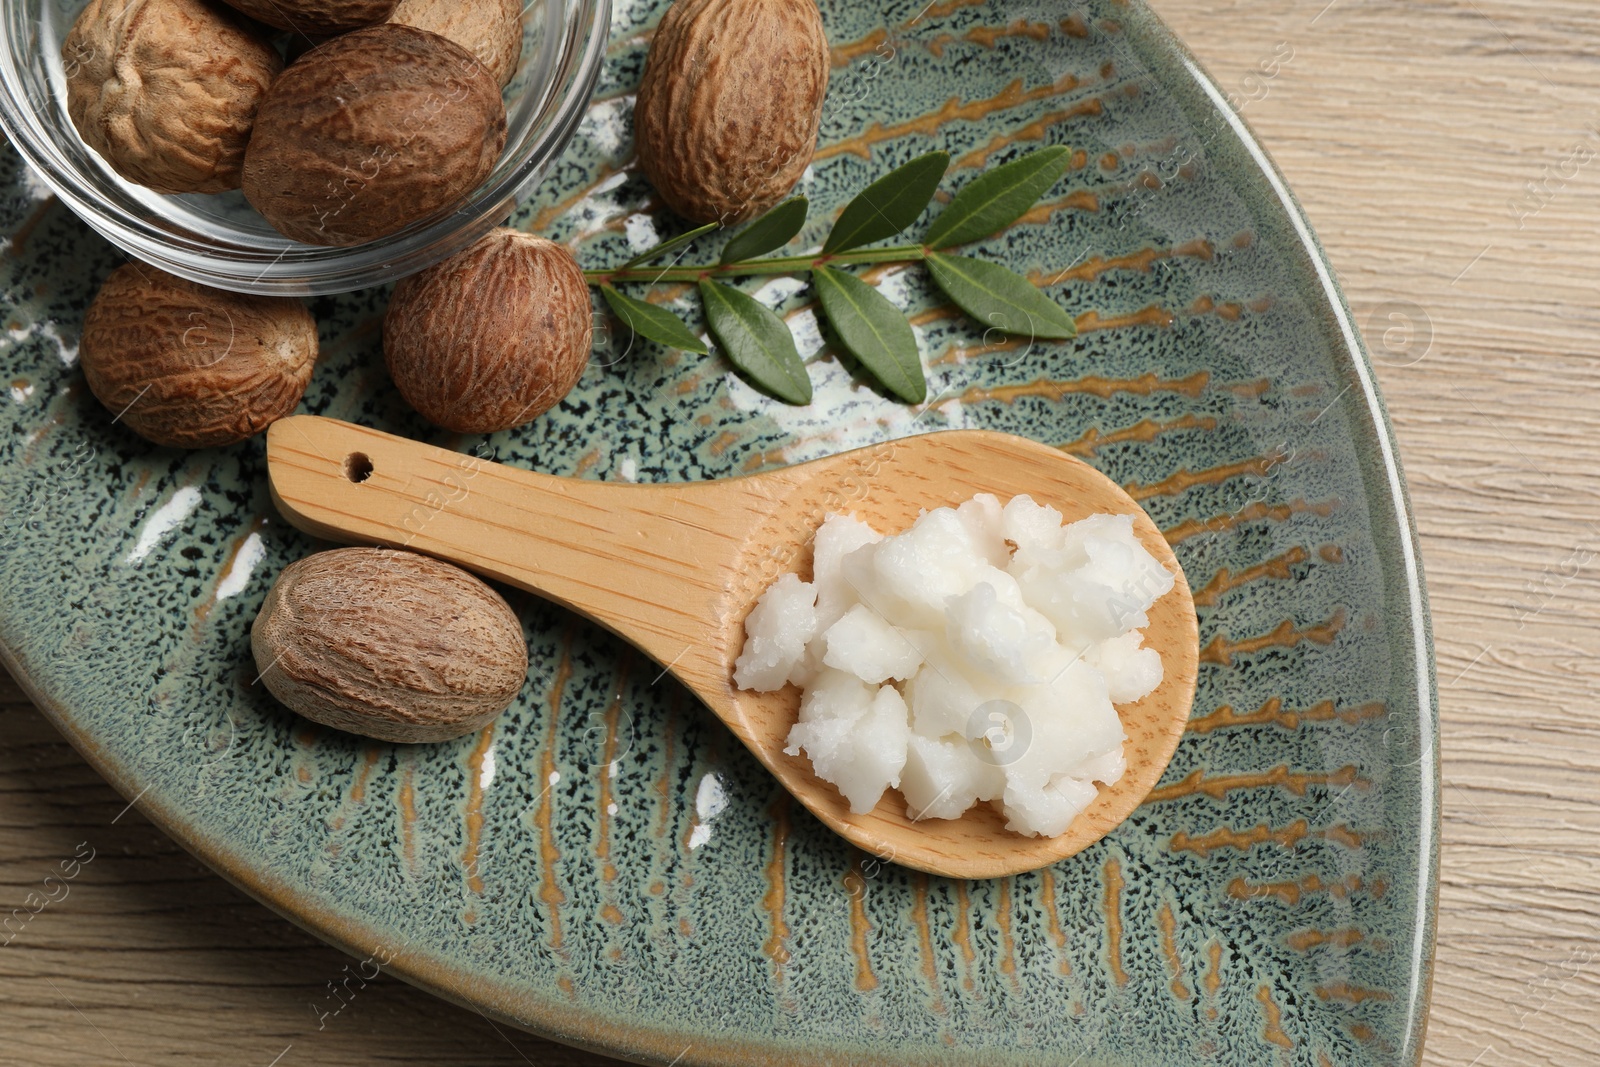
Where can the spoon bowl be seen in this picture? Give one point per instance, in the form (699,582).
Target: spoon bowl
(676,568)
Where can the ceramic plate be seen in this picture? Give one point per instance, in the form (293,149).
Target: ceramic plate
(605,864)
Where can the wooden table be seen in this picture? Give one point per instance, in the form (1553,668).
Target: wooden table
(1411,132)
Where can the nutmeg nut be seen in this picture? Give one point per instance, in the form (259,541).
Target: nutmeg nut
(370,132)
(315,17)
(730,103)
(490,29)
(189,366)
(492,337)
(166,91)
(388,644)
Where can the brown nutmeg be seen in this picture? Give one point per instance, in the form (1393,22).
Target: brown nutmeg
(388,644)
(729,106)
(167,90)
(493,337)
(316,17)
(489,29)
(189,366)
(371,132)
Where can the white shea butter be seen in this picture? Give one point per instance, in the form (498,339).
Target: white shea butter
(978,657)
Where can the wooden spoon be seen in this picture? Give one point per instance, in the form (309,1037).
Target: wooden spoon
(675,569)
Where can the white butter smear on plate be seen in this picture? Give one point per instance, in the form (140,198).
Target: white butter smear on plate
(976,657)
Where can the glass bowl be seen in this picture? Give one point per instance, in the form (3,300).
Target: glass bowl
(217,238)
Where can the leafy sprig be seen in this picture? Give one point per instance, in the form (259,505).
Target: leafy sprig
(869,326)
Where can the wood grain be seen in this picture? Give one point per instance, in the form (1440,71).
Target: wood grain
(1410,132)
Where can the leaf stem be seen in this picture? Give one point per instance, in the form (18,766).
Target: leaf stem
(773,265)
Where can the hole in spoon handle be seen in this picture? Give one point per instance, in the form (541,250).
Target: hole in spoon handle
(357,467)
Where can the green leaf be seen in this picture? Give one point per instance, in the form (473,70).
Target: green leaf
(1000,298)
(651,322)
(757,341)
(998,198)
(672,244)
(874,330)
(768,233)
(889,204)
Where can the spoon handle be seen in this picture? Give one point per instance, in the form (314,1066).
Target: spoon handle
(652,563)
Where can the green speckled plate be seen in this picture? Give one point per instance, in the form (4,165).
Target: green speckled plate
(605,864)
